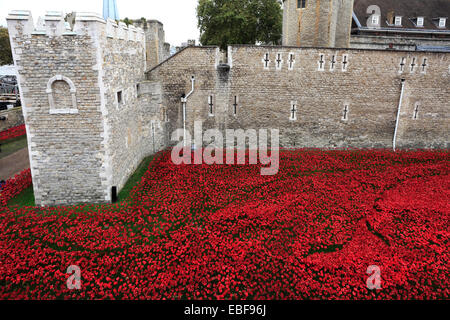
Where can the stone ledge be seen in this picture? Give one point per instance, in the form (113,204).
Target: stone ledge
(63,111)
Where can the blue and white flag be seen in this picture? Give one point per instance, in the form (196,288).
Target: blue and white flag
(110,10)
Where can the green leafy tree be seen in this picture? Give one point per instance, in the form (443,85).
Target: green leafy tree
(127,21)
(227,22)
(5,47)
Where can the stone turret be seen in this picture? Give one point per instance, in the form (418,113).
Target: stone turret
(317,23)
(156,48)
(80,95)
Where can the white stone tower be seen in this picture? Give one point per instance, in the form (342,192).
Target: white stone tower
(317,23)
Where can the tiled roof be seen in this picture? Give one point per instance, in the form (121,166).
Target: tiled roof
(431,10)
(433,49)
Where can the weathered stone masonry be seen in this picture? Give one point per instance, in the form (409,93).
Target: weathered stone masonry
(92,113)
(322,23)
(82,140)
(344,98)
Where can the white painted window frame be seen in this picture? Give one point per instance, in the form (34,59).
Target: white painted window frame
(420,22)
(398,21)
(375,20)
(442,22)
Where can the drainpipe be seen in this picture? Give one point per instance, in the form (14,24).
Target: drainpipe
(153,136)
(398,114)
(183,102)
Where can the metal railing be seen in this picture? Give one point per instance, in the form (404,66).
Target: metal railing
(6,88)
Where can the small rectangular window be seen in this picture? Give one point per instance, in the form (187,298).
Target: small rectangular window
(119,98)
(321,62)
(211,106)
(375,20)
(333,63)
(301,4)
(235,105)
(293,113)
(291,61)
(345,113)
(402,64)
(344,62)
(138,90)
(420,21)
(166,116)
(114,196)
(416,111)
(442,22)
(398,21)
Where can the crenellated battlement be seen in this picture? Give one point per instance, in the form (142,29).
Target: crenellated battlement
(79,77)
(53,25)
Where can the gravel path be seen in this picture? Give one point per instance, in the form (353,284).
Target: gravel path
(14,164)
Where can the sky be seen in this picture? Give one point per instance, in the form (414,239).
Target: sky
(178,16)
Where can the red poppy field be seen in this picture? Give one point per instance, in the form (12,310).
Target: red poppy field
(226,232)
(13,133)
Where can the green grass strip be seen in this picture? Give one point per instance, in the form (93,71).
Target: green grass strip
(24,199)
(134,180)
(11,146)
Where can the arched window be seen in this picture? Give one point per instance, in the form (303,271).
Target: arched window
(301,4)
(62,95)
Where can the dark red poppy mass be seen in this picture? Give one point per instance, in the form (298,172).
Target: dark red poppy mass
(226,232)
(13,133)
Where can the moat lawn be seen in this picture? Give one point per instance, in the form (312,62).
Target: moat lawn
(225,232)
(26,197)
(12,145)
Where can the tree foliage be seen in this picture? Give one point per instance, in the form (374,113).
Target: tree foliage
(5,47)
(227,22)
(127,21)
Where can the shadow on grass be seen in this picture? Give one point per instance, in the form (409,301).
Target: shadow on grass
(26,197)
(11,146)
(124,194)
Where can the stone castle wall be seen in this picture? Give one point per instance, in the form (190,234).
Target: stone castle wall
(322,23)
(366,89)
(344,21)
(123,65)
(395,42)
(157,50)
(62,143)
(83,141)
(92,113)
(174,77)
